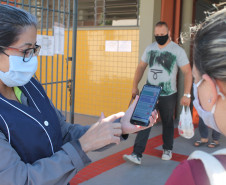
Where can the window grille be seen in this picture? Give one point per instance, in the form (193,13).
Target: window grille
(108,13)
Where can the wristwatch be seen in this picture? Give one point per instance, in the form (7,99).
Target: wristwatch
(187,95)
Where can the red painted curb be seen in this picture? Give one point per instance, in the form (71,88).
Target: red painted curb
(107,163)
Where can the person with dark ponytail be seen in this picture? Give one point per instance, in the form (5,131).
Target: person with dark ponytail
(37,145)
(209,72)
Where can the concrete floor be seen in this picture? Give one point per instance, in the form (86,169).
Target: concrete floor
(108,167)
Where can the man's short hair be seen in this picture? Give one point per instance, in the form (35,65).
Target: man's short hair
(161,23)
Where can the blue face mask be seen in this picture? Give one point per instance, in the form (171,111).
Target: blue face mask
(207,117)
(20,72)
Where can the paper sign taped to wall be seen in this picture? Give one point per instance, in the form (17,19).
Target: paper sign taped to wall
(124,46)
(47,45)
(59,39)
(118,46)
(111,46)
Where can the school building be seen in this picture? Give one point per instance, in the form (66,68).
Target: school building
(91,48)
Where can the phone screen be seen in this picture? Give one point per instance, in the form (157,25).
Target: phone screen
(145,105)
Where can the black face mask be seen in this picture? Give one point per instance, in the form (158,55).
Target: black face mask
(161,40)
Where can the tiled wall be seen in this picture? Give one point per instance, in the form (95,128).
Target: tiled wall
(104,79)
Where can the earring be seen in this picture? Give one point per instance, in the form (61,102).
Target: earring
(209,100)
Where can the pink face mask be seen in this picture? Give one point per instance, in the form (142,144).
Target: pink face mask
(208,117)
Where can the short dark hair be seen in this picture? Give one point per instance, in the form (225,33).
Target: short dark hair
(161,23)
(12,23)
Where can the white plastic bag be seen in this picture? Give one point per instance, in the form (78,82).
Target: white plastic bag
(186,127)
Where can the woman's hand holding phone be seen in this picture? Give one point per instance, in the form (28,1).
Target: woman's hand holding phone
(127,127)
(146,105)
(107,131)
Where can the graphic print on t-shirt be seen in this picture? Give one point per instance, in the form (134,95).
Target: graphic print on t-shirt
(161,69)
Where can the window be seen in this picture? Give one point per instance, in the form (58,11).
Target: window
(108,13)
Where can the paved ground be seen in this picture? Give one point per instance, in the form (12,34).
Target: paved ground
(108,167)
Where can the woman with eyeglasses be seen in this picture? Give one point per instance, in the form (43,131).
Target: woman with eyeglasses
(209,72)
(37,146)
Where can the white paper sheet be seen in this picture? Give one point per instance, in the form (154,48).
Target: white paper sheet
(59,40)
(47,45)
(111,46)
(124,46)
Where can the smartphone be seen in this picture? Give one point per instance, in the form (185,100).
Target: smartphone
(145,105)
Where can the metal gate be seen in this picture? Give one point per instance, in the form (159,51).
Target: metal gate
(57,28)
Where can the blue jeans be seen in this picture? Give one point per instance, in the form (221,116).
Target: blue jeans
(203,130)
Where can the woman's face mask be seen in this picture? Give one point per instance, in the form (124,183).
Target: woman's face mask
(208,117)
(20,72)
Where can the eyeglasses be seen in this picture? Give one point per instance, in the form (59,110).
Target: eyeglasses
(27,53)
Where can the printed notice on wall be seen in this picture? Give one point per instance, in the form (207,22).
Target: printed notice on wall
(59,40)
(118,46)
(111,46)
(124,46)
(47,45)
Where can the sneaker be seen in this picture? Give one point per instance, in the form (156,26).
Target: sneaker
(167,154)
(132,158)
